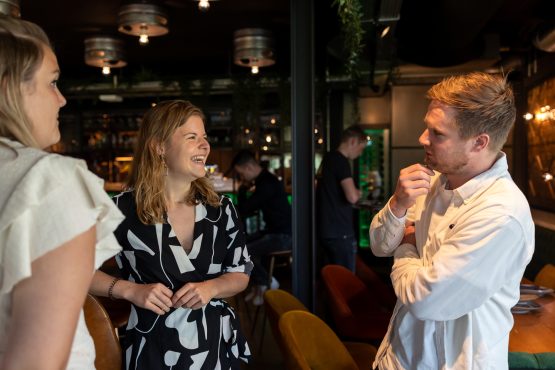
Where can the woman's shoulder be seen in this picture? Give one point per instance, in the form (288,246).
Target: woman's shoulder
(225,200)
(64,165)
(56,200)
(228,207)
(125,196)
(40,173)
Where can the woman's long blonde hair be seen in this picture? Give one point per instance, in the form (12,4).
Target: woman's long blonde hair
(148,171)
(22,46)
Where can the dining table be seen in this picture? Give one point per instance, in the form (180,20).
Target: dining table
(534,332)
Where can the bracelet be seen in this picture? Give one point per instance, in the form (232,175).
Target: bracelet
(111,288)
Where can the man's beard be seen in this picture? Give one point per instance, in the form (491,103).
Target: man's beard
(460,161)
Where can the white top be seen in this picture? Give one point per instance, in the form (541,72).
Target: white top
(456,288)
(47,200)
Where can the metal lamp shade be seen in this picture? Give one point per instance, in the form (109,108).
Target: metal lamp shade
(104,52)
(545,41)
(253,47)
(10,7)
(142,18)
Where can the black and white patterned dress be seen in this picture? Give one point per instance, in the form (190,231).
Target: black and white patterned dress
(205,339)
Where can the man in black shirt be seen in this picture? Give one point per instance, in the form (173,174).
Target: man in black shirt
(270,198)
(336,193)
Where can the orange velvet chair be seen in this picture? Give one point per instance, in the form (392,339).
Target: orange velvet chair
(278,302)
(311,345)
(106,342)
(357,313)
(384,293)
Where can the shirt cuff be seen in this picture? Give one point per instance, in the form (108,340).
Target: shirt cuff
(390,217)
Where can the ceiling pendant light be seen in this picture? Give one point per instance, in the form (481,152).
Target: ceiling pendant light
(203,5)
(104,52)
(144,19)
(254,48)
(10,7)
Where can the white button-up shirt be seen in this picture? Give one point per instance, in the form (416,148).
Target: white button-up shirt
(456,287)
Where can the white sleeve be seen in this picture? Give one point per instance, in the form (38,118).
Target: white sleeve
(386,232)
(57,200)
(467,270)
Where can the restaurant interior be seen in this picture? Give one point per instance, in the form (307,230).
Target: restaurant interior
(283,79)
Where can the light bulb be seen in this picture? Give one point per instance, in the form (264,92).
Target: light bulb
(268,139)
(203,5)
(254,70)
(106,70)
(385,32)
(546,176)
(528,116)
(143,39)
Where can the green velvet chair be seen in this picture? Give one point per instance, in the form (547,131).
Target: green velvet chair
(529,361)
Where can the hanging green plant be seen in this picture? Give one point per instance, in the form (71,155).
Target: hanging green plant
(350,13)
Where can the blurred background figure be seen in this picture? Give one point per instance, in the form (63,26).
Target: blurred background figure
(269,197)
(336,194)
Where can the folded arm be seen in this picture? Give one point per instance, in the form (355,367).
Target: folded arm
(388,226)
(468,268)
(386,232)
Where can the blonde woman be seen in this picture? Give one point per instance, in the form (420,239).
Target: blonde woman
(54,215)
(184,251)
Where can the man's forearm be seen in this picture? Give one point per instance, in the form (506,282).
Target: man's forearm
(386,232)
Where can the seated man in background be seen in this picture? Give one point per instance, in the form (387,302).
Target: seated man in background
(270,198)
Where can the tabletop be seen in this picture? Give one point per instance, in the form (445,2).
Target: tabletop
(534,332)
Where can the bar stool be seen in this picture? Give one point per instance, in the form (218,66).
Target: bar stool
(277,259)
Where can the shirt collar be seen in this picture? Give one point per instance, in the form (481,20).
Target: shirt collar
(479,183)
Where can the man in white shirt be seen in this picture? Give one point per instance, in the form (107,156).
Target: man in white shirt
(460,232)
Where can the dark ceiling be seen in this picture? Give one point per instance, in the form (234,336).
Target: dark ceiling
(432,33)
(197,44)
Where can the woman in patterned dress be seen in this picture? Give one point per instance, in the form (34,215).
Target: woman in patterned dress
(183,251)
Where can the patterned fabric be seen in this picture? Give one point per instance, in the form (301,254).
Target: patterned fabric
(205,339)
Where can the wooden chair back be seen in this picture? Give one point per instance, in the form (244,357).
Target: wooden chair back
(106,342)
